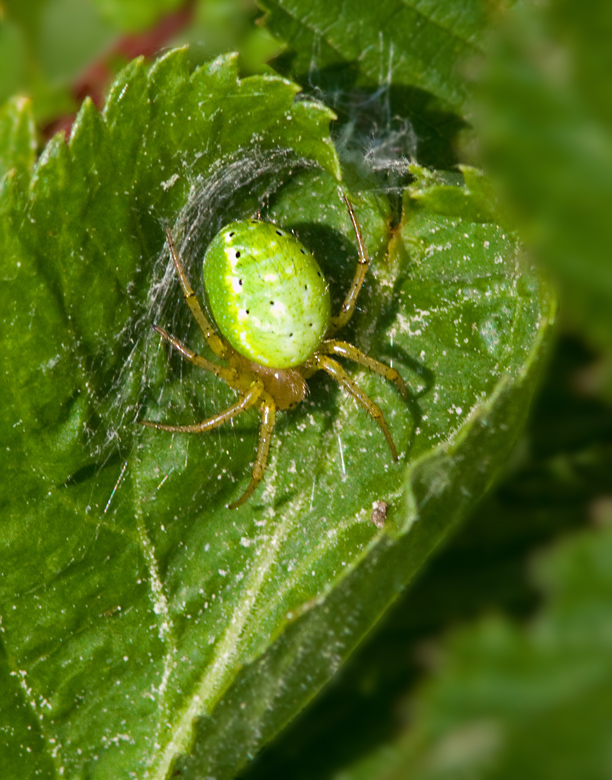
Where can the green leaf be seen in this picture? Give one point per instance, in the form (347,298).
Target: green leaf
(147,628)
(512,701)
(403,43)
(229,25)
(12,59)
(17,136)
(394,72)
(556,481)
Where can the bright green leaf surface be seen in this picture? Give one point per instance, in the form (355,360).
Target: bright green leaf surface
(141,618)
(521,702)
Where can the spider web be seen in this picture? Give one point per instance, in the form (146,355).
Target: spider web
(371,140)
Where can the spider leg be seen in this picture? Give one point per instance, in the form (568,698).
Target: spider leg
(336,371)
(268,417)
(214,341)
(343,349)
(242,404)
(363,262)
(229,375)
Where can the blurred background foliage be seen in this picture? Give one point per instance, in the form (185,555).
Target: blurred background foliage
(59,51)
(498,660)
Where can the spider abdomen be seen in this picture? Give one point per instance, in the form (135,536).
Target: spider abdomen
(266,293)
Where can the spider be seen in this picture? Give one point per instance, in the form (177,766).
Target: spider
(272,308)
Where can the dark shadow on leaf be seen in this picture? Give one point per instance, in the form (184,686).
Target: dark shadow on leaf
(372,109)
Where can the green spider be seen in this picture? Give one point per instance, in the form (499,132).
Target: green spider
(271,304)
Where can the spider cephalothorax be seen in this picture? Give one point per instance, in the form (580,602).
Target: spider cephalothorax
(271,305)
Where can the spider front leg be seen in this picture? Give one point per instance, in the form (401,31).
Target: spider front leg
(268,418)
(336,371)
(363,263)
